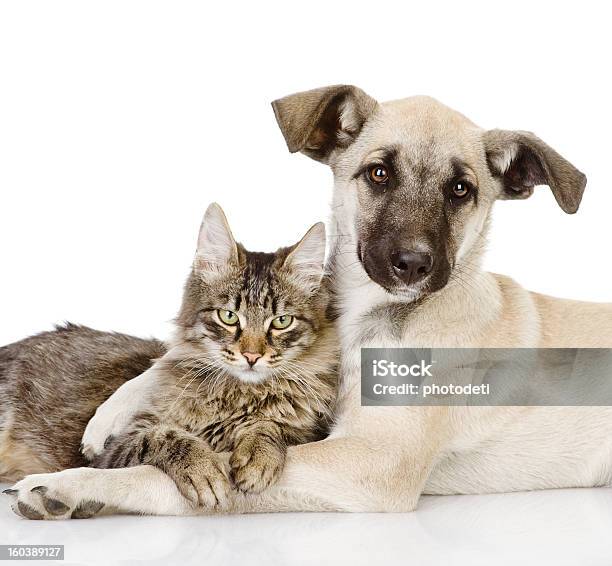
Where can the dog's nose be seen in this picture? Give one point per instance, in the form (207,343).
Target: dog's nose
(251,357)
(411,266)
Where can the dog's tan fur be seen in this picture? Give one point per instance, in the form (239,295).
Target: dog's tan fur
(384,458)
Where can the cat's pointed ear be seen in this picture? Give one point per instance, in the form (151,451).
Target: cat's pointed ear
(307,258)
(216,245)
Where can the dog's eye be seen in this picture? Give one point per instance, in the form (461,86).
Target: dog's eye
(378,174)
(461,189)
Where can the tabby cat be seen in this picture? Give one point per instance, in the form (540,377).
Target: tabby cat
(250,369)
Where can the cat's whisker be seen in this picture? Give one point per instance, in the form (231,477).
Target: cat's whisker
(316,366)
(168,411)
(215,374)
(307,391)
(306,375)
(313,369)
(206,364)
(219,379)
(291,377)
(299,377)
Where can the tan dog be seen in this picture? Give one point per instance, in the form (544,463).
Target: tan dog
(414,186)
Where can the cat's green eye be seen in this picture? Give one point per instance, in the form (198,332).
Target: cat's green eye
(282,322)
(228,317)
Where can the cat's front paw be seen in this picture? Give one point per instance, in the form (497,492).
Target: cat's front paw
(256,463)
(52,496)
(202,479)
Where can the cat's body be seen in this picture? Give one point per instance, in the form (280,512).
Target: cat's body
(250,370)
(197,417)
(51,385)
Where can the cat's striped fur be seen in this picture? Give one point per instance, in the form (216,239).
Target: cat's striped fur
(208,399)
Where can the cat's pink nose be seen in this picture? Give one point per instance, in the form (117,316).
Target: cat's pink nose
(251,357)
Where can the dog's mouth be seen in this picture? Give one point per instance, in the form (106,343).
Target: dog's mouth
(393,286)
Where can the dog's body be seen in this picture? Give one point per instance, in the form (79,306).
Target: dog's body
(407,274)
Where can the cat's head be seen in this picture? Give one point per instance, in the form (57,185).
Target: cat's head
(252,314)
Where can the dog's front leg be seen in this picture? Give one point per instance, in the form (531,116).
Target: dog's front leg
(80,493)
(339,474)
(381,463)
(378,460)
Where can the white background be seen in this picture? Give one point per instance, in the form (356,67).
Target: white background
(541,528)
(120,121)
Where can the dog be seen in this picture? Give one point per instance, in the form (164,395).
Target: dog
(415,183)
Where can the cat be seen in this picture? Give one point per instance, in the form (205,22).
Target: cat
(251,368)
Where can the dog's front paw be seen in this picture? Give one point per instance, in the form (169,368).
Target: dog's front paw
(202,479)
(51,496)
(103,426)
(256,463)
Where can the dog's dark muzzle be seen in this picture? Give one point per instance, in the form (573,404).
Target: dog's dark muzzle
(404,268)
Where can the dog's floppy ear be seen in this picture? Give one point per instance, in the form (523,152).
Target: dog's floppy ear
(317,122)
(523,160)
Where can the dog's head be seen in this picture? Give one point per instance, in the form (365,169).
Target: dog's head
(416,181)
